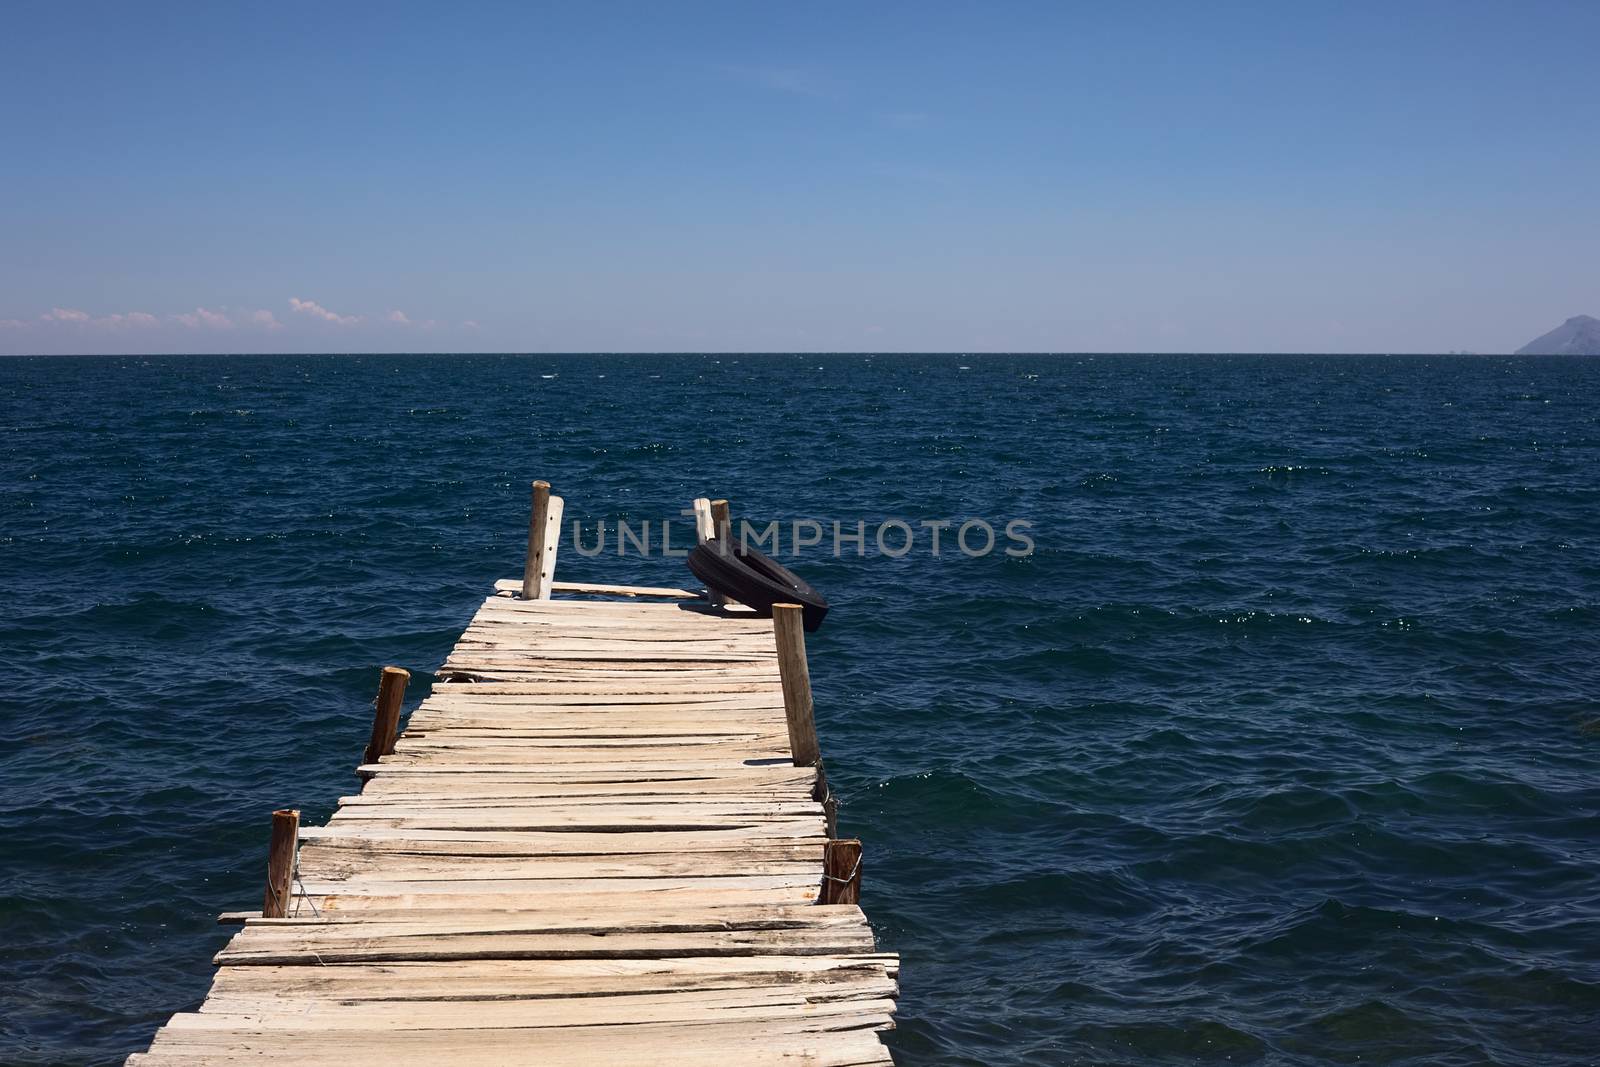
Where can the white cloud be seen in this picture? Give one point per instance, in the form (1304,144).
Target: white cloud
(316,310)
(201,317)
(469,324)
(138,319)
(73,317)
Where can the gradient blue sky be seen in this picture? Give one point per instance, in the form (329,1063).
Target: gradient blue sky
(1275,176)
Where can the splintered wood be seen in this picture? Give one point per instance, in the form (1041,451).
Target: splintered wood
(589,846)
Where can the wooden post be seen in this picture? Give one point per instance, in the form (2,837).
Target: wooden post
(705,528)
(721,524)
(280,863)
(796,677)
(841,872)
(536,524)
(386,717)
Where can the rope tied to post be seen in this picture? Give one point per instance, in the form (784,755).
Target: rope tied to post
(302,894)
(847,879)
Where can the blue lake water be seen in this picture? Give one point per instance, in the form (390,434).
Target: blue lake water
(1283,747)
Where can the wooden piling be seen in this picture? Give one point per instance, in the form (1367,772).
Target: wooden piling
(795,676)
(705,528)
(841,872)
(280,863)
(539,516)
(386,713)
(721,524)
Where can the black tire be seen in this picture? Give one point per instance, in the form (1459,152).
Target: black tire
(755,580)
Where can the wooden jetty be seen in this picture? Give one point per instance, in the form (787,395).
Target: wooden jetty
(604,838)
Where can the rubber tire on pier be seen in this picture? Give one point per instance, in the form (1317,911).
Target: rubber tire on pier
(756,580)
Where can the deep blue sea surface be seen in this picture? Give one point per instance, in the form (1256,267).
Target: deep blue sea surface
(1283,747)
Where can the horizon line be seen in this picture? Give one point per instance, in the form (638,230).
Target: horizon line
(779,352)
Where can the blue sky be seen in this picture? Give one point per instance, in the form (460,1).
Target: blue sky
(747,176)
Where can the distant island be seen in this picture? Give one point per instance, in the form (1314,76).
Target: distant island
(1578,336)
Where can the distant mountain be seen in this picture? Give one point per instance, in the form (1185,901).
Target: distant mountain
(1578,336)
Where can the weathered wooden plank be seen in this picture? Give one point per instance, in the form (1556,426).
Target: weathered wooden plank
(540,785)
(352,866)
(596,770)
(619,590)
(708,1006)
(556,843)
(608,821)
(404,900)
(388,807)
(570,731)
(575,608)
(824,1042)
(557,692)
(637,759)
(727,678)
(548,977)
(246,948)
(571,918)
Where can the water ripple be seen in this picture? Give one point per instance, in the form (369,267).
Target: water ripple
(1281,749)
